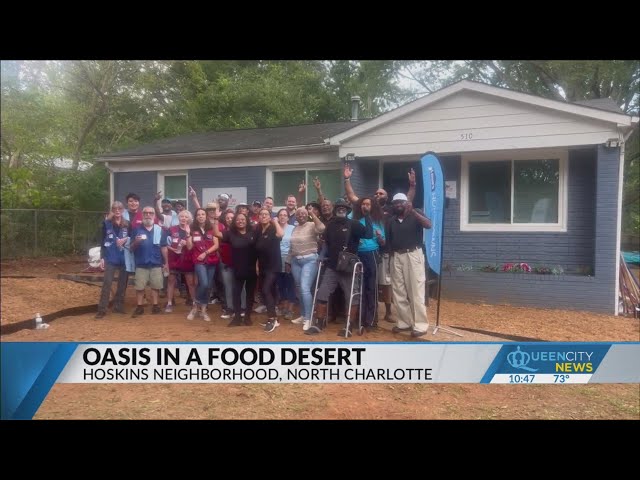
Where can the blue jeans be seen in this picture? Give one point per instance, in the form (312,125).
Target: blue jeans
(205,274)
(305,270)
(226,272)
(227,280)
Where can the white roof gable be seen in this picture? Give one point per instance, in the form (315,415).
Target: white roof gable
(619,119)
(470,116)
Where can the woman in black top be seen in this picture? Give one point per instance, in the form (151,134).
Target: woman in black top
(270,234)
(243,254)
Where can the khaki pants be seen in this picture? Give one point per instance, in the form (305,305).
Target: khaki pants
(408,280)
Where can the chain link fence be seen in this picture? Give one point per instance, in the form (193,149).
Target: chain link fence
(37,233)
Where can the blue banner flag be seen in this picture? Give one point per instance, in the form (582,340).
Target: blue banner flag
(433,182)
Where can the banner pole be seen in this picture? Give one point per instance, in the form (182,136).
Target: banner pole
(437,327)
(436,177)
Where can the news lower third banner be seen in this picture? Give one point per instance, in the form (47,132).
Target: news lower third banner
(29,370)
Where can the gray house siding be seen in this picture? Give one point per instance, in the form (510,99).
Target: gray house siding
(589,241)
(145,183)
(606,219)
(142,183)
(570,292)
(253,178)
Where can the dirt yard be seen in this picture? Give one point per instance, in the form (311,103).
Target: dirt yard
(22,298)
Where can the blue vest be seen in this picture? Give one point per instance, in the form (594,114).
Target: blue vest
(148,253)
(114,255)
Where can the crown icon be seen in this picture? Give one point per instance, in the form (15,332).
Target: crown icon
(520,359)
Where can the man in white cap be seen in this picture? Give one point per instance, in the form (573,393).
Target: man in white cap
(383,200)
(408,277)
(223,201)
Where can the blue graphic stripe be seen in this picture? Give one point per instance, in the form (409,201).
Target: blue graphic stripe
(501,357)
(29,370)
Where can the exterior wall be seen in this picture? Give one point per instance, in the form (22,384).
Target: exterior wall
(325,156)
(251,177)
(607,177)
(145,183)
(142,183)
(473,121)
(250,171)
(567,292)
(589,241)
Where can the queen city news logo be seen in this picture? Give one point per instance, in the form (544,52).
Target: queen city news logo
(539,359)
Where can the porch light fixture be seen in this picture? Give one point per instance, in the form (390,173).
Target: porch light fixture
(613,143)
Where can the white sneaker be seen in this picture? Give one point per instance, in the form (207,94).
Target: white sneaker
(192,313)
(260,309)
(306,325)
(205,316)
(298,321)
(271,325)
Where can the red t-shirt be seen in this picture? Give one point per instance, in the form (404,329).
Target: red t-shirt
(225,248)
(201,242)
(182,261)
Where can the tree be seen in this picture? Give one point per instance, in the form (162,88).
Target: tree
(563,80)
(29,118)
(374,81)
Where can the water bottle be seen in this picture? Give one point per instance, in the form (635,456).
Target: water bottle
(38,321)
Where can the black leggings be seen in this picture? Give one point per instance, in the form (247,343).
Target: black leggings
(249,283)
(370,288)
(268,284)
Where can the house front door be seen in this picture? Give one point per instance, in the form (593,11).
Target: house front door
(395,180)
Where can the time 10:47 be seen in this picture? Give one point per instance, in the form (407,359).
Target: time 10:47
(521,378)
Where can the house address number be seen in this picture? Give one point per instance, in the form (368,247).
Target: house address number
(466,136)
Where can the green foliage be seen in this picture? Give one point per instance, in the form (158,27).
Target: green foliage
(631,195)
(29,233)
(46,187)
(490,268)
(565,80)
(542,270)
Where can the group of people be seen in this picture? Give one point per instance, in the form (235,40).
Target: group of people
(277,253)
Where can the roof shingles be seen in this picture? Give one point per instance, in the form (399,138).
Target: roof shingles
(240,139)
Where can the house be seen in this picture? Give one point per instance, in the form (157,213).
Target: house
(529,179)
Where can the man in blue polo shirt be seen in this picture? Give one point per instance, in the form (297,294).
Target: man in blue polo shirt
(151,255)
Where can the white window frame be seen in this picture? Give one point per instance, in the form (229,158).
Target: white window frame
(514,156)
(295,168)
(176,173)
